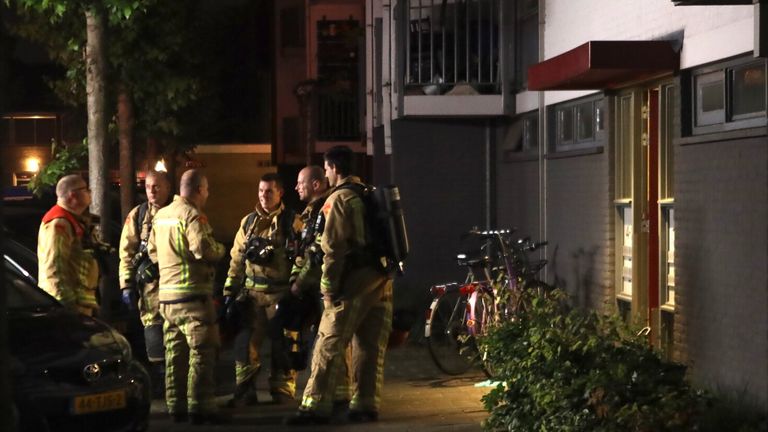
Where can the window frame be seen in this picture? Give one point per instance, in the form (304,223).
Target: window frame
(726,121)
(528,125)
(571,108)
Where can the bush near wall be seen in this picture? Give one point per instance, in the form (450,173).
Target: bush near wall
(562,369)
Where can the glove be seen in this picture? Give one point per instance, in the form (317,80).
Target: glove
(130,298)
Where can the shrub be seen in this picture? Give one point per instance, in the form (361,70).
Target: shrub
(561,369)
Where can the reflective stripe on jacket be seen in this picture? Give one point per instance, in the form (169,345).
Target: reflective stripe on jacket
(343,236)
(130,241)
(182,244)
(258,277)
(65,270)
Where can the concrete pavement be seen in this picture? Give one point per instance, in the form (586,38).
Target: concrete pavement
(416,397)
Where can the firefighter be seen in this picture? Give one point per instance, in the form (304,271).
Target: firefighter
(68,270)
(182,244)
(357,299)
(256,281)
(140,291)
(312,187)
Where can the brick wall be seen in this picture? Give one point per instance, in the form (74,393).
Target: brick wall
(579,226)
(439,168)
(517,196)
(721,207)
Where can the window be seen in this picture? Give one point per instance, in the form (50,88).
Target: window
(729,96)
(531,132)
(710,107)
(29,130)
(577,125)
(523,137)
(748,91)
(338,67)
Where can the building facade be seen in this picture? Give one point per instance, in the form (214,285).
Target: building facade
(629,135)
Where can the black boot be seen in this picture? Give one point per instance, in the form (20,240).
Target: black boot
(157,375)
(306,418)
(245,395)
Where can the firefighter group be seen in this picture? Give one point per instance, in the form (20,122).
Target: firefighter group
(290,276)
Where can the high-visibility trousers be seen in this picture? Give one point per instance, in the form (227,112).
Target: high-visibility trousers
(191,338)
(149,314)
(368,318)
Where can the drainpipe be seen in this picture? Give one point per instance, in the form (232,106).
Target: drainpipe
(543,144)
(490,216)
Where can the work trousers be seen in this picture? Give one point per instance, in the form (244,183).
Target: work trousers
(191,347)
(366,317)
(149,313)
(258,324)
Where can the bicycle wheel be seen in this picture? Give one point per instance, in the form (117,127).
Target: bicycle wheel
(486,317)
(449,343)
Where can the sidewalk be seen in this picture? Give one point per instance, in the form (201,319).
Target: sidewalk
(416,397)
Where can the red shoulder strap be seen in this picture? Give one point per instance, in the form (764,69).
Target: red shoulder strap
(57,212)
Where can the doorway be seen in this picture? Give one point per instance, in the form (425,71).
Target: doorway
(644,208)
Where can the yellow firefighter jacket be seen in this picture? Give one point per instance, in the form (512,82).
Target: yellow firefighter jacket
(66,270)
(305,273)
(130,242)
(273,276)
(347,267)
(182,244)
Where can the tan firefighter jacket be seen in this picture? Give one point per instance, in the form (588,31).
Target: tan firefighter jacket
(347,268)
(305,273)
(66,270)
(182,244)
(271,277)
(130,242)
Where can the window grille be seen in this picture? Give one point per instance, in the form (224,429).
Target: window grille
(450,42)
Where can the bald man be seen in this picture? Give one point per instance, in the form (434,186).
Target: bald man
(182,244)
(68,271)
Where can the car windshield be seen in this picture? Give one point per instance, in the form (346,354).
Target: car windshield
(22,294)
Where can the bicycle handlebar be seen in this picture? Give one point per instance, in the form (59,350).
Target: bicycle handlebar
(489,234)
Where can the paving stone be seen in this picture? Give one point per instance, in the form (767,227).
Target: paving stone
(416,397)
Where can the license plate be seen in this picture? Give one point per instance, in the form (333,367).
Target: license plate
(99,402)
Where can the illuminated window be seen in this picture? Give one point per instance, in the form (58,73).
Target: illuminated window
(729,96)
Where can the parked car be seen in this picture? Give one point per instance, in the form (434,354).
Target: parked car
(20,223)
(69,372)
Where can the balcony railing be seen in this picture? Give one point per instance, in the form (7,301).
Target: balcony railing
(453,42)
(338,116)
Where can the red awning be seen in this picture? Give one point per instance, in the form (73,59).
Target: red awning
(604,65)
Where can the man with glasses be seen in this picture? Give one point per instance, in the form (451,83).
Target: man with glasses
(67,270)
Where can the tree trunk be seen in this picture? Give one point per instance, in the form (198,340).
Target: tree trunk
(125,122)
(95,77)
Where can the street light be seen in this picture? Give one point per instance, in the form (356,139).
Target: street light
(32,164)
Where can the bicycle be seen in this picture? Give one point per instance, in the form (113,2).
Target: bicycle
(491,293)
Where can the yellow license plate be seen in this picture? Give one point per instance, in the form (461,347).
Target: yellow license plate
(99,402)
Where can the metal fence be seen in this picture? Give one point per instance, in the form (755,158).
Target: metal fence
(453,41)
(338,116)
